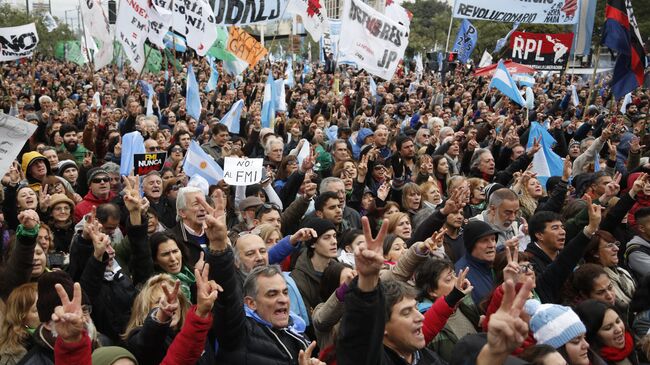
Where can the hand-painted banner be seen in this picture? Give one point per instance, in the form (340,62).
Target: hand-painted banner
(372,40)
(97,26)
(17,42)
(243,12)
(543,51)
(522,11)
(144,163)
(245,47)
(14,133)
(132,27)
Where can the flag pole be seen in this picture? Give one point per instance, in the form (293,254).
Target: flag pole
(83,29)
(451,22)
(593,81)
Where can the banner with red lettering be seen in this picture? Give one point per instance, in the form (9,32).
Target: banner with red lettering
(540,50)
(519,11)
(132,27)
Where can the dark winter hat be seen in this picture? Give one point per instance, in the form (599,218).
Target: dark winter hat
(491,188)
(94,172)
(64,165)
(474,231)
(48,298)
(320,225)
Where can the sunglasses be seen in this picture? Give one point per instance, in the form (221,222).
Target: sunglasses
(99,180)
(526,267)
(177,149)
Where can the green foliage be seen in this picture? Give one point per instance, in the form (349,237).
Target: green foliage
(431,21)
(11,17)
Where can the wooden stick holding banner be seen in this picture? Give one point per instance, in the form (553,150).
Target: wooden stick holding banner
(146,57)
(591,86)
(83,29)
(451,22)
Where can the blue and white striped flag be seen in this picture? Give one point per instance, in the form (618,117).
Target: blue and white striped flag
(546,163)
(504,83)
(268,104)
(192,97)
(214,75)
(231,119)
(373,87)
(132,143)
(197,162)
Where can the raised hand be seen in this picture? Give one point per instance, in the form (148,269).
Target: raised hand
(462,283)
(44,198)
(29,218)
(101,242)
(506,331)
(362,168)
(215,222)
(68,317)
(369,256)
(302,234)
(383,191)
(567,168)
(638,185)
(206,291)
(13,176)
(511,270)
(536,147)
(595,215)
(304,357)
(132,199)
(612,188)
(635,146)
(88,160)
(168,303)
(434,243)
(455,202)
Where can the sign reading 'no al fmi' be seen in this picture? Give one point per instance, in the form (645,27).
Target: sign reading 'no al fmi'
(242,171)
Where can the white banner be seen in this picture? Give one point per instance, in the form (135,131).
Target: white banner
(193,19)
(49,22)
(13,135)
(160,19)
(132,27)
(17,42)
(510,11)
(242,171)
(243,12)
(313,16)
(371,40)
(398,13)
(96,24)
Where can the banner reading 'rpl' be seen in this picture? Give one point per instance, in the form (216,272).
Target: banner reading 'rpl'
(540,50)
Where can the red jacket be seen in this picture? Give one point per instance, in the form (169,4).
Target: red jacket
(90,201)
(73,353)
(188,345)
(435,318)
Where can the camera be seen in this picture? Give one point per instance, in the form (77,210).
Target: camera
(56,259)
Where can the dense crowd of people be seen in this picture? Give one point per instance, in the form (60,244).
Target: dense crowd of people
(415,231)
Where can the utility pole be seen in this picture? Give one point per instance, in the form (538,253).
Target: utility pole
(27,6)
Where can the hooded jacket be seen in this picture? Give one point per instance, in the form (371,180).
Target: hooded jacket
(637,260)
(28,159)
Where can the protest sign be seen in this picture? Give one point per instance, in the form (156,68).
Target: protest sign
(509,11)
(144,163)
(374,42)
(540,50)
(242,171)
(243,12)
(13,135)
(17,42)
(132,27)
(465,41)
(313,16)
(97,26)
(245,47)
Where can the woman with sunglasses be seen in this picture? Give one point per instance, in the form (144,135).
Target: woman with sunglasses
(603,250)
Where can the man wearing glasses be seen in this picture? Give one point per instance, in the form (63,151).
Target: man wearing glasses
(99,192)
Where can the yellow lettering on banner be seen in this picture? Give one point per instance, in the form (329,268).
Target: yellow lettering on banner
(244,46)
(150,157)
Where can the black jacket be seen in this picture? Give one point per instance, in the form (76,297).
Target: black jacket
(361,334)
(192,247)
(243,340)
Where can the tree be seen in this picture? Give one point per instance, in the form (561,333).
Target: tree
(11,17)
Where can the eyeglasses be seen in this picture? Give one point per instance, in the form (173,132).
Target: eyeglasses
(524,268)
(99,180)
(62,208)
(266,207)
(610,245)
(177,149)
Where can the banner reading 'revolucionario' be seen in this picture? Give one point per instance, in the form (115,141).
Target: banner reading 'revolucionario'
(243,12)
(522,11)
(17,42)
(374,42)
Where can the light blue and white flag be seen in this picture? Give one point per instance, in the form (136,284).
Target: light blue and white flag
(214,75)
(171,39)
(288,73)
(504,83)
(192,97)
(132,143)
(546,163)
(373,87)
(524,79)
(147,89)
(231,119)
(584,27)
(574,96)
(627,100)
(279,96)
(441,61)
(234,68)
(197,162)
(503,41)
(268,104)
(530,98)
(465,41)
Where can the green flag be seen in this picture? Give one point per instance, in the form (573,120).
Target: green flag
(220,47)
(172,60)
(59,51)
(154,59)
(73,53)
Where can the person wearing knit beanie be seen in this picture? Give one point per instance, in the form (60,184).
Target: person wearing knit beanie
(321,226)
(480,251)
(110,355)
(553,324)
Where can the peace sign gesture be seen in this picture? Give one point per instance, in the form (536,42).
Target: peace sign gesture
(369,256)
(304,357)
(132,199)
(215,222)
(44,198)
(434,243)
(168,303)
(536,147)
(506,331)
(511,271)
(68,317)
(206,291)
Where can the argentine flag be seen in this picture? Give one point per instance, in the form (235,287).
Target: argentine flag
(192,97)
(132,143)
(289,77)
(504,83)
(373,87)
(546,163)
(268,105)
(231,119)
(197,162)
(172,40)
(214,75)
